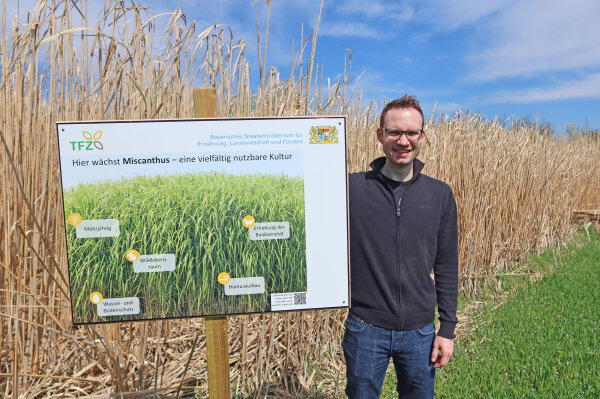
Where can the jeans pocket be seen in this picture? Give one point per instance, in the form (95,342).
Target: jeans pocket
(355,324)
(426,330)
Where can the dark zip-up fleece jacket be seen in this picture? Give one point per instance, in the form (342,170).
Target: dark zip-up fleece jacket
(393,250)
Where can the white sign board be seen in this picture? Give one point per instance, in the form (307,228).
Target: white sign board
(188,218)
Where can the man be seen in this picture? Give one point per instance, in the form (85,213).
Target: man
(403,225)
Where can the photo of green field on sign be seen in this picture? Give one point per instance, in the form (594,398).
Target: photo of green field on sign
(184,245)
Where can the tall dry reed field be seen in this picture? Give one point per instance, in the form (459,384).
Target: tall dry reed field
(515,190)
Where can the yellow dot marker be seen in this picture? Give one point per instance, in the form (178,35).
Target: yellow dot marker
(96,297)
(248,221)
(132,255)
(74,219)
(224,278)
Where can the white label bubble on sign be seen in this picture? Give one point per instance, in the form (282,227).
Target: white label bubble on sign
(270,231)
(98,228)
(245,286)
(119,306)
(154,263)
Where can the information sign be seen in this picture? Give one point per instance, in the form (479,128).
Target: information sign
(186,218)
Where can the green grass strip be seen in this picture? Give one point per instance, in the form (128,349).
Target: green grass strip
(541,343)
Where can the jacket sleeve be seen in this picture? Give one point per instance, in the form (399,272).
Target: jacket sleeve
(445,268)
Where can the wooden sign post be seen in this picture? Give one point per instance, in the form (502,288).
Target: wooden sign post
(217,346)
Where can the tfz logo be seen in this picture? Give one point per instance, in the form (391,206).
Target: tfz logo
(90,143)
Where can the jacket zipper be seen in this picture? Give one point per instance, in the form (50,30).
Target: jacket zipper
(398,250)
(398,261)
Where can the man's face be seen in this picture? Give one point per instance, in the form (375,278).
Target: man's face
(401,151)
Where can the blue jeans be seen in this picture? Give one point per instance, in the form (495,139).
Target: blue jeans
(368,349)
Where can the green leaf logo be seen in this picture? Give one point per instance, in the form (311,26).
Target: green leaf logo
(94,138)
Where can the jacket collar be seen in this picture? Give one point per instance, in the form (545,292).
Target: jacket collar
(378,163)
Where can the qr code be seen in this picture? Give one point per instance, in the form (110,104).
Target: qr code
(299,298)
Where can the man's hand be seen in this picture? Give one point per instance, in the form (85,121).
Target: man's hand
(442,351)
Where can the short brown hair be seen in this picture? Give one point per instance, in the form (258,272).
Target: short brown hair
(405,102)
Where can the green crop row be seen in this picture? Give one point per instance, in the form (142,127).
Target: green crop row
(197,217)
(542,343)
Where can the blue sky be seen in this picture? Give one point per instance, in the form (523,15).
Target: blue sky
(511,58)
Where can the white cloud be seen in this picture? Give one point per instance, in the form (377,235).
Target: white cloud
(378,86)
(445,108)
(589,87)
(375,9)
(348,29)
(446,15)
(538,36)
(363,19)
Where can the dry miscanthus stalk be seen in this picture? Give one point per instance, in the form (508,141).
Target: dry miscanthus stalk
(515,189)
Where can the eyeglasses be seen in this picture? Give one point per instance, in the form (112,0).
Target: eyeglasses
(413,135)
